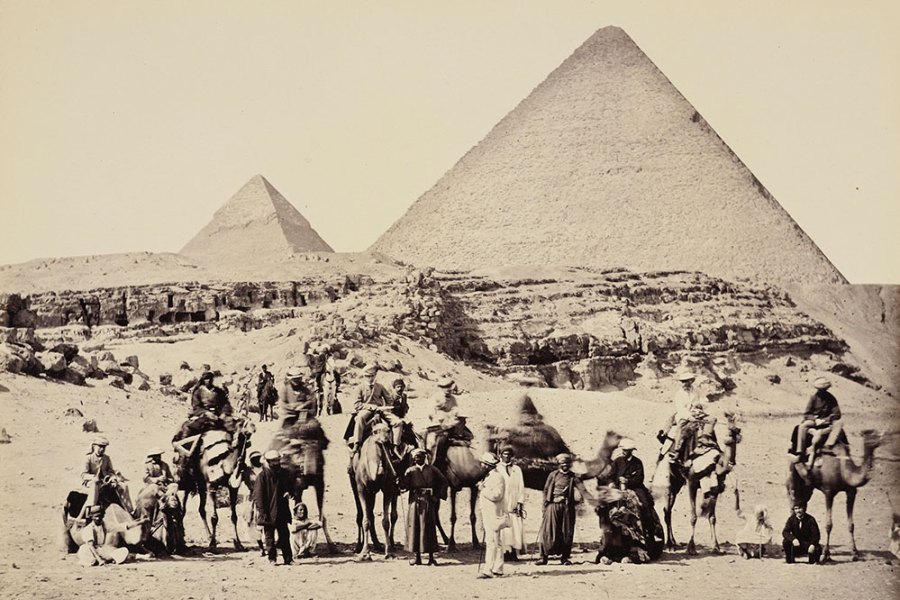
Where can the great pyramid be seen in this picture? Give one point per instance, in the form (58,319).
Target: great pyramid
(257,224)
(606,164)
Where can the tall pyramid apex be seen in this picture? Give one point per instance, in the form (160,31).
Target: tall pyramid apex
(258,223)
(605,164)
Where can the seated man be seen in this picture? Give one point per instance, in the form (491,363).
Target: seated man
(628,474)
(821,420)
(210,409)
(688,413)
(374,399)
(801,536)
(446,423)
(99,477)
(97,546)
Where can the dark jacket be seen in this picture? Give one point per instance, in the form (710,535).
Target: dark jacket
(822,405)
(270,499)
(631,468)
(377,395)
(805,530)
(214,400)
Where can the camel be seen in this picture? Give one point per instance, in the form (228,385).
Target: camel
(679,476)
(218,466)
(304,460)
(371,472)
(831,474)
(162,518)
(462,470)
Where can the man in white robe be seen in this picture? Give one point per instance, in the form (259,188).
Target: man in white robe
(512,537)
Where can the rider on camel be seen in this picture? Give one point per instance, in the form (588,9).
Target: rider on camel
(689,416)
(446,423)
(821,421)
(372,399)
(98,475)
(298,399)
(265,377)
(210,409)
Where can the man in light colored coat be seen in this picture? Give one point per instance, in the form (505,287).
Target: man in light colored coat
(514,500)
(493,516)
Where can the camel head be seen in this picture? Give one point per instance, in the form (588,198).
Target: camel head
(596,466)
(871,440)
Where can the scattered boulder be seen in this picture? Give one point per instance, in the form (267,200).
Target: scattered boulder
(117,383)
(10,361)
(90,426)
(169,390)
(356,360)
(54,362)
(184,380)
(789,362)
(133,361)
(68,350)
(70,376)
(774,379)
(143,384)
(5,438)
(73,412)
(165,379)
(106,355)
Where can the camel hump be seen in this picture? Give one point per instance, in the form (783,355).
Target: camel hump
(462,466)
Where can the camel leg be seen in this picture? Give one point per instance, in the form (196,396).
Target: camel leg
(201,495)
(440,528)
(851,499)
(232,503)
(320,502)
(473,498)
(667,515)
(360,531)
(712,524)
(388,520)
(692,496)
(451,544)
(370,526)
(829,503)
(214,517)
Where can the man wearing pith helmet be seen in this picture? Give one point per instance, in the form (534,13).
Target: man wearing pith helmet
(821,419)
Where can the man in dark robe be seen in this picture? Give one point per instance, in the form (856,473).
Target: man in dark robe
(628,474)
(558,524)
(423,482)
(801,536)
(270,497)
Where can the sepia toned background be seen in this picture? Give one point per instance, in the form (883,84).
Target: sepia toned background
(124,126)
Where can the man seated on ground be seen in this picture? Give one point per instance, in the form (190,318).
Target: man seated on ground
(304,532)
(372,399)
(98,476)
(445,423)
(210,409)
(801,536)
(97,545)
(821,420)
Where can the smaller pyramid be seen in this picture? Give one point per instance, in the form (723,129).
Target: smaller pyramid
(256,224)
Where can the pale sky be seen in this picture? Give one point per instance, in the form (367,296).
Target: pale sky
(125,125)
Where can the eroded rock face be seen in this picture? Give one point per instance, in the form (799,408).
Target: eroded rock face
(168,304)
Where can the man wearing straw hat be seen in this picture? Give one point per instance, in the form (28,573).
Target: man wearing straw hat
(821,420)
(98,475)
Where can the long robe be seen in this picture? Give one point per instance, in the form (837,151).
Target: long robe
(558,524)
(423,483)
(512,537)
(492,510)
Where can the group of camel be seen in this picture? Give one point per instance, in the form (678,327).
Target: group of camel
(372,473)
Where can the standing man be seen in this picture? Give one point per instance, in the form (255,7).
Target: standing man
(423,482)
(821,419)
(492,507)
(270,495)
(512,537)
(801,536)
(558,524)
